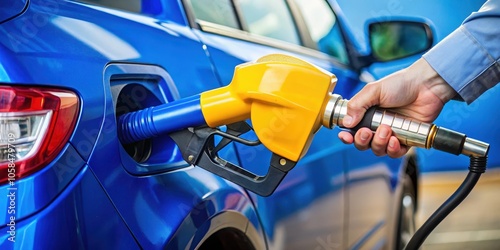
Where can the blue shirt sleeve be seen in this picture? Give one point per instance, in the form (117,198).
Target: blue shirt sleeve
(469,58)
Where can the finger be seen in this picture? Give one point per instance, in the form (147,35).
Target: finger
(362,138)
(346,137)
(357,106)
(380,140)
(395,149)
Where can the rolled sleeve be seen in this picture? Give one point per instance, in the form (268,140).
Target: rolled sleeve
(468,59)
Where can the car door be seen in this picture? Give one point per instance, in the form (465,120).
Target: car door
(125,60)
(244,31)
(310,207)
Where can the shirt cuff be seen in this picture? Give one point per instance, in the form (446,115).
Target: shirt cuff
(460,60)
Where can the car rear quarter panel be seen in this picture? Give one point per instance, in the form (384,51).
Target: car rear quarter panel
(81,217)
(10,9)
(68,45)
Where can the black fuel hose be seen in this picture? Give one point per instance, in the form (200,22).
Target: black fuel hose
(476,168)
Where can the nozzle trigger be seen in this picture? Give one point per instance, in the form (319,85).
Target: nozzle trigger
(198,148)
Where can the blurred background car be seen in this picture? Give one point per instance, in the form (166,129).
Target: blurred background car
(69,69)
(478,119)
(441,174)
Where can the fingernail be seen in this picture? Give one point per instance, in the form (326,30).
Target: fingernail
(342,139)
(364,135)
(384,133)
(391,143)
(347,121)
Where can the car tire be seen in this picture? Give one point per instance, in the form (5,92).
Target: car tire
(407,209)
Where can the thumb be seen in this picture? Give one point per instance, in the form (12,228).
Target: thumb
(356,107)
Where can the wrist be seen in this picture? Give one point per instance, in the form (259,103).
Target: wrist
(423,75)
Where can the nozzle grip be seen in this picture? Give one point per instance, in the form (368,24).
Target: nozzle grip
(425,135)
(366,122)
(408,131)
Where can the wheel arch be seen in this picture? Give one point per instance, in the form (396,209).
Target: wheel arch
(227,237)
(409,167)
(412,169)
(235,221)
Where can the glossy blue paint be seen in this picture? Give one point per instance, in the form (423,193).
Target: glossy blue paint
(10,9)
(11,72)
(95,195)
(37,191)
(81,217)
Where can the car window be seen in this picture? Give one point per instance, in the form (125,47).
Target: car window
(323,28)
(128,5)
(215,11)
(270,19)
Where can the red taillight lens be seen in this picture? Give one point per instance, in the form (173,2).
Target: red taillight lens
(35,124)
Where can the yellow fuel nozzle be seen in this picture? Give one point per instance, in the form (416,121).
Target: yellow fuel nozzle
(287,100)
(283,96)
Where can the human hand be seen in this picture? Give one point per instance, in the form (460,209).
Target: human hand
(417,92)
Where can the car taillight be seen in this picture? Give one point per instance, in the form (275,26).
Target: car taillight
(35,124)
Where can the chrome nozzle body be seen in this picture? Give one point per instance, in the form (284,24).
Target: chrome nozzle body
(408,131)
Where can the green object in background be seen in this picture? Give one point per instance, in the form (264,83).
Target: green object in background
(397,39)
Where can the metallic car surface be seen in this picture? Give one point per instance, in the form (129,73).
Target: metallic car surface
(94,195)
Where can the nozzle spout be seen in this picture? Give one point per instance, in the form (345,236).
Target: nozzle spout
(165,118)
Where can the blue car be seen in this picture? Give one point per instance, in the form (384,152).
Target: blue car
(445,16)
(70,69)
